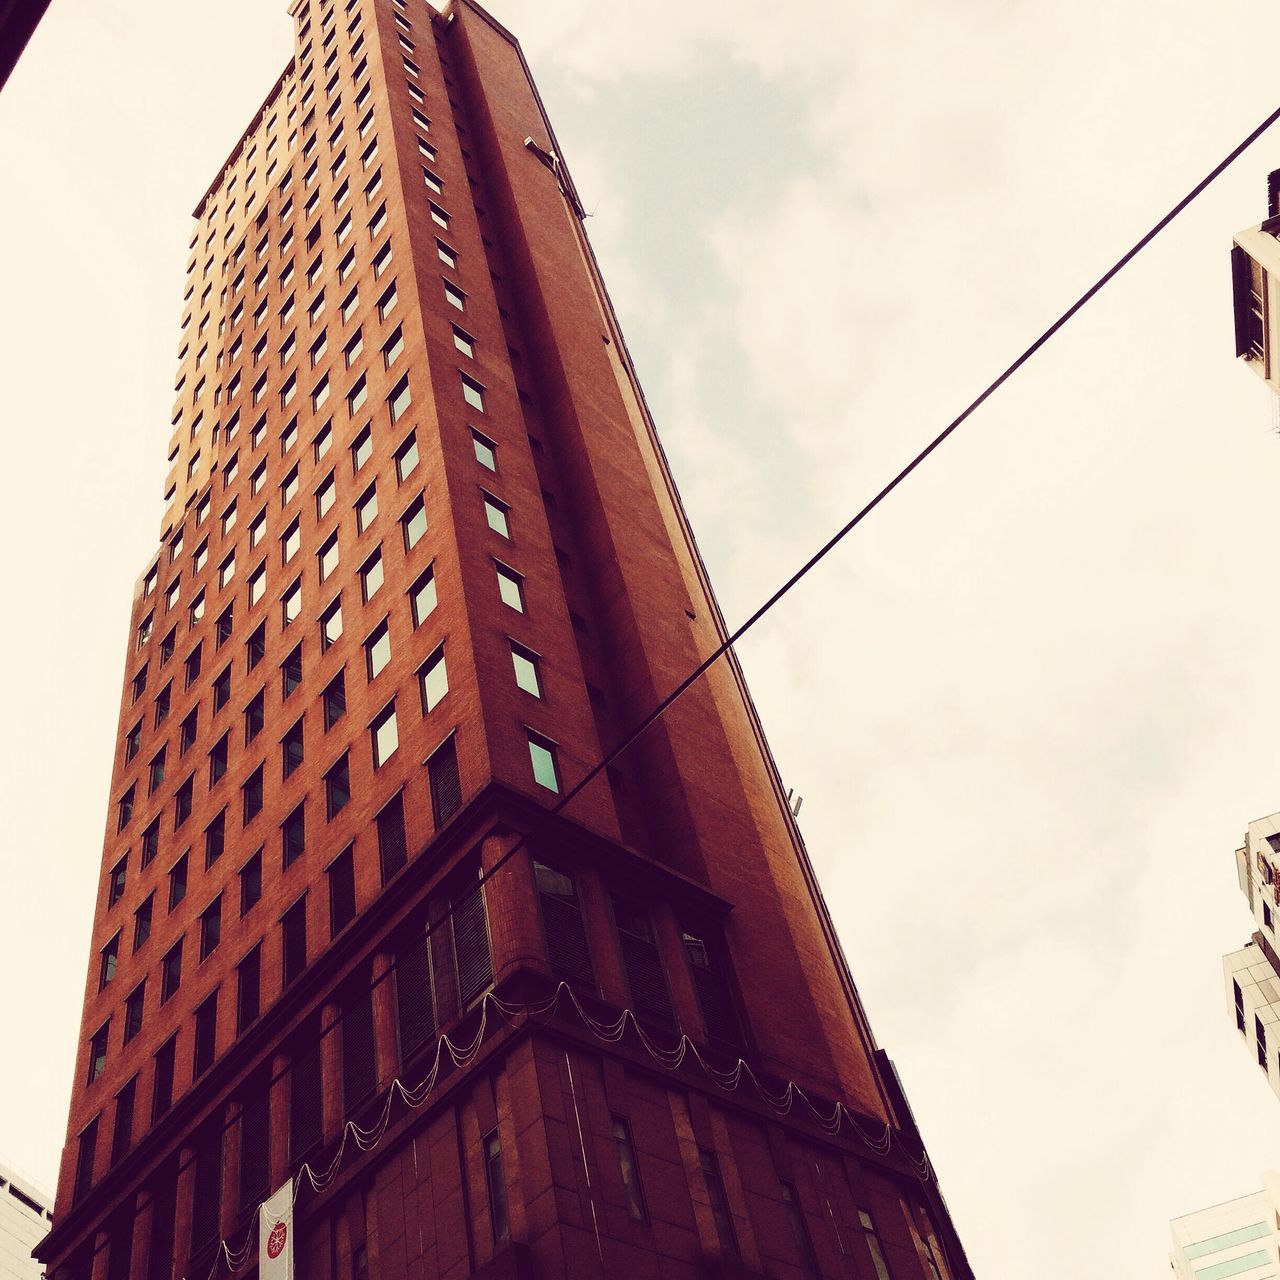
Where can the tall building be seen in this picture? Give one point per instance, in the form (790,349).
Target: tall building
(1239,1239)
(24,1220)
(421,566)
(1252,974)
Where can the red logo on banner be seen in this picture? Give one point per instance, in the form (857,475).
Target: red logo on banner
(275,1241)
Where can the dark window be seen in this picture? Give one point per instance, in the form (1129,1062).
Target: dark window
(182,802)
(256,646)
(335,700)
(629,1170)
(567,951)
(215,839)
(1260,1036)
(192,666)
(252,793)
(248,989)
(206,1035)
(359,1062)
(415,1008)
(291,749)
(305,1093)
(171,971)
(164,1198)
(255,716)
(224,626)
(250,883)
(497,1184)
(177,882)
(84,1159)
(642,962)
(337,788)
(132,741)
(1239,1000)
(874,1245)
(293,928)
(122,1135)
(222,689)
(446,786)
(471,957)
(294,834)
(206,1205)
(142,921)
(98,1051)
(291,671)
(342,892)
(255,1139)
(715,999)
(392,852)
(162,1094)
(125,812)
(108,957)
(155,771)
(719,1203)
(800,1233)
(211,927)
(133,1009)
(150,842)
(218,759)
(187,730)
(116,881)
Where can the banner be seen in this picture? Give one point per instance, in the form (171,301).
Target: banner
(275,1234)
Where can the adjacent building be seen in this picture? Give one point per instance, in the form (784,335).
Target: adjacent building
(1239,1240)
(1253,973)
(25,1215)
(371,917)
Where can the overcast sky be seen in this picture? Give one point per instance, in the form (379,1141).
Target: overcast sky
(1033,702)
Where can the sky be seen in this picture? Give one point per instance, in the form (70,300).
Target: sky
(1030,705)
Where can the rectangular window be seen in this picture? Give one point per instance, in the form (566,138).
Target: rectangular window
(387,303)
(485,450)
(447,254)
(248,989)
(293,932)
(162,1093)
(107,961)
(392,348)
(400,398)
(331,625)
(357,396)
(874,1245)
(438,215)
(525,662)
(472,393)
(337,788)
(177,882)
(371,576)
(222,689)
(215,839)
(464,342)
(335,700)
(291,672)
(211,927)
(142,921)
(495,512)
(377,649)
(800,1233)
(422,596)
(325,496)
(454,296)
(406,458)
(719,1203)
(361,448)
(355,345)
(366,508)
(392,850)
(182,802)
(497,1184)
(250,883)
(122,1138)
(251,794)
(384,735)
(293,833)
(542,756)
(445,782)
(433,680)
(413,523)
(206,1036)
(171,971)
(150,842)
(84,1160)
(629,1170)
(342,892)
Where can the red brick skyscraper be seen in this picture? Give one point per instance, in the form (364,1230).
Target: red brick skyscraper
(422,565)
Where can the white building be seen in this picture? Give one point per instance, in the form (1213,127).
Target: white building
(1253,973)
(1238,1240)
(25,1217)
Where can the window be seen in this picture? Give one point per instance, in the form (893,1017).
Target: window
(335,700)
(291,671)
(438,216)
(800,1233)
(211,927)
(323,440)
(629,1169)
(495,513)
(192,666)
(472,392)
(498,1215)
(293,931)
(163,700)
(719,1203)
(125,804)
(187,731)
(222,688)
(433,680)
(874,1245)
(350,305)
(259,526)
(291,748)
(98,1051)
(525,662)
(206,1036)
(447,254)
(385,735)
(361,448)
(355,345)
(182,802)
(393,852)
(293,831)
(378,649)
(162,1093)
(107,959)
(133,1004)
(367,508)
(337,788)
(251,794)
(145,628)
(171,971)
(510,587)
(382,260)
(542,755)
(254,716)
(331,625)
(248,989)
(454,296)
(342,892)
(215,839)
(224,626)
(289,390)
(172,594)
(168,645)
(387,303)
(151,842)
(324,496)
(122,1135)
(464,342)
(406,458)
(155,771)
(291,604)
(486,451)
(371,576)
(393,347)
(356,397)
(422,596)
(445,782)
(140,683)
(257,584)
(142,921)
(250,883)
(290,542)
